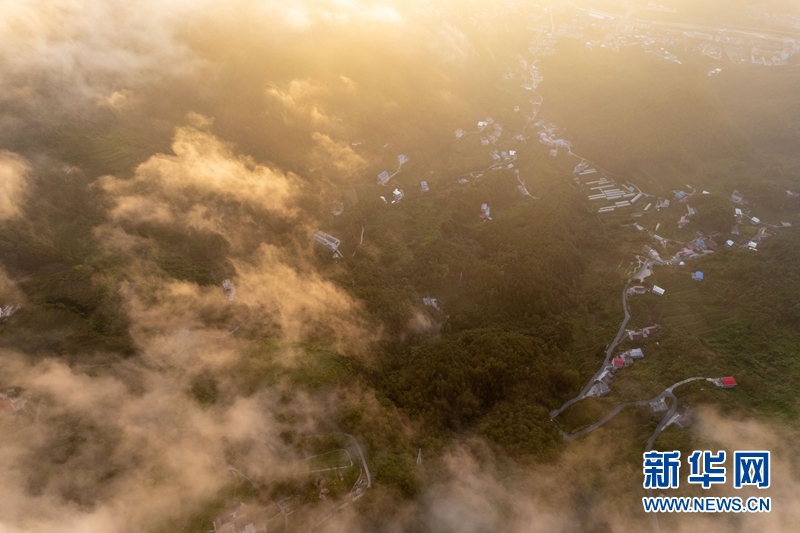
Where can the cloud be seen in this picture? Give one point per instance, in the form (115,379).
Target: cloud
(111,453)
(14,171)
(88,49)
(302,99)
(306,14)
(202,166)
(338,155)
(119,100)
(301,302)
(141,209)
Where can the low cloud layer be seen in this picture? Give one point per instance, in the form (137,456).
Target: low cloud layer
(14,171)
(202,166)
(126,450)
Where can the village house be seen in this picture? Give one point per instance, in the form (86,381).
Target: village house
(431,302)
(682,421)
(230,289)
(241,519)
(643,333)
(651,330)
(328,241)
(7,311)
(10,403)
(598,390)
(658,290)
(659,405)
(725,383)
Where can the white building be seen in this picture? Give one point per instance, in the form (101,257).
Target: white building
(431,302)
(658,290)
(328,241)
(230,289)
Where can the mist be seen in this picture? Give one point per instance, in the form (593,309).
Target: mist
(177,343)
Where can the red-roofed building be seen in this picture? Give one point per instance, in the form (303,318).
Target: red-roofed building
(618,362)
(728,382)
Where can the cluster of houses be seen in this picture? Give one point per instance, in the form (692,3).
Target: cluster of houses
(627,358)
(685,219)
(762,235)
(641,289)
(601,385)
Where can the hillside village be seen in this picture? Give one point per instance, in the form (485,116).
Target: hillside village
(668,223)
(606,194)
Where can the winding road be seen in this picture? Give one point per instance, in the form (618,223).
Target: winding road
(664,421)
(609,351)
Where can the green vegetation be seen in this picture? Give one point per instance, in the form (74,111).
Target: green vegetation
(528,300)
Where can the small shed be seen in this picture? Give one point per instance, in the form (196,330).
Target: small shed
(728,382)
(697,276)
(658,290)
